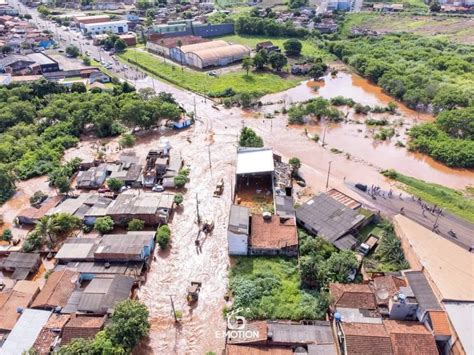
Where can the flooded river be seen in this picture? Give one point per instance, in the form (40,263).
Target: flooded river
(355,138)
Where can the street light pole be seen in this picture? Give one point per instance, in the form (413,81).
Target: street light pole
(329,171)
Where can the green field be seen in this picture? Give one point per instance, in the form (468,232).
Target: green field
(452,200)
(256,84)
(310,46)
(458,29)
(269,288)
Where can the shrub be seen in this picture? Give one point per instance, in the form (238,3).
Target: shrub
(6,235)
(37,198)
(104,224)
(180,181)
(127,140)
(178,199)
(163,236)
(136,225)
(115,184)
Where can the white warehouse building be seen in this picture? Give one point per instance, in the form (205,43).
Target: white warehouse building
(117,27)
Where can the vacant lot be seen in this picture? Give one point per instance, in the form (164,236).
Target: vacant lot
(269,288)
(310,46)
(257,84)
(458,29)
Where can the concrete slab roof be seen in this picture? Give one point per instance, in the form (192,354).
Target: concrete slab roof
(254,161)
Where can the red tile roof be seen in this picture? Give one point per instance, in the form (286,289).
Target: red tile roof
(366,339)
(57,290)
(352,296)
(410,338)
(440,323)
(274,233)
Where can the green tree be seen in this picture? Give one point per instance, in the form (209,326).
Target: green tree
(6,235)
(248,138)
(37,198)
(7,183)
(136,225)
(6,49)
(318,70)
(295,164)
(435,7)
(163,236)
(339,266)
(180,181)
(43,10)
(277,60)
(86,61)
(260,59)
(293,47)
(129,324)
(115,184)
(120,45)
(100,345)
(63,184)
(104,224)
(78,87)
(178,199)
(247,64)
(72,51)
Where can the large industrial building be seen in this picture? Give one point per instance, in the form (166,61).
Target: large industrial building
(208,54)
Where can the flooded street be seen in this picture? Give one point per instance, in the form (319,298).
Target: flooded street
(353,136)
(173,270)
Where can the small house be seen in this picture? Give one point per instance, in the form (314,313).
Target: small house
(93,178)
(184,122)
(31,215)
(21,265)
(57,290)
(238,230)
(82,326)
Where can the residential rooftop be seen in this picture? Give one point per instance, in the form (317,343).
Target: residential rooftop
(273,233)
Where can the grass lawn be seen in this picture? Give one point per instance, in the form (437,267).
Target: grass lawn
(310,47)
(452,200)
(269,288)
(257,84)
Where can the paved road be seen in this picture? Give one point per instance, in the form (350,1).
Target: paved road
(412,208)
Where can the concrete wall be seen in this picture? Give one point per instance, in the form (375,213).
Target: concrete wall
(206,31)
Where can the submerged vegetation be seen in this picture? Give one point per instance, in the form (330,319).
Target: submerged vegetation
(424,73)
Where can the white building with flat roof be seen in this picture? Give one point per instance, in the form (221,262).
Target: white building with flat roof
(117,27)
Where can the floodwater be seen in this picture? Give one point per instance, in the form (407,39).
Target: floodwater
(21,200)
(200,329)
(355,138)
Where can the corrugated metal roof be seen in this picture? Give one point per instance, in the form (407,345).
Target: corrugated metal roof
(425,296)
(25,332)
(221,52)
(254,161)
(239,219)
(76,250)
(329,218)
(203,45)
(461,315)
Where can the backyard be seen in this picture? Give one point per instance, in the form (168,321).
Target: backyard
(269,288)
(257,84)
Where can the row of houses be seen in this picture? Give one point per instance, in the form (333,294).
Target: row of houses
(90,276)
(161,167)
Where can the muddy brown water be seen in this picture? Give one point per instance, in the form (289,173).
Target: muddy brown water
(354,137)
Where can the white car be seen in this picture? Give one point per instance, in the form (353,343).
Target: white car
(158,188)
(124,188)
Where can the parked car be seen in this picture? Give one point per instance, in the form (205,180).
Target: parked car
(124,188)
(158,188)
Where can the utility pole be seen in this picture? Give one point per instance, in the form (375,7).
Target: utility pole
(209,154)
(195,114)
(197,210)
(174,311)
(329,171)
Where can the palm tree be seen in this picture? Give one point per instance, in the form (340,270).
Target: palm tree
(47,227)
